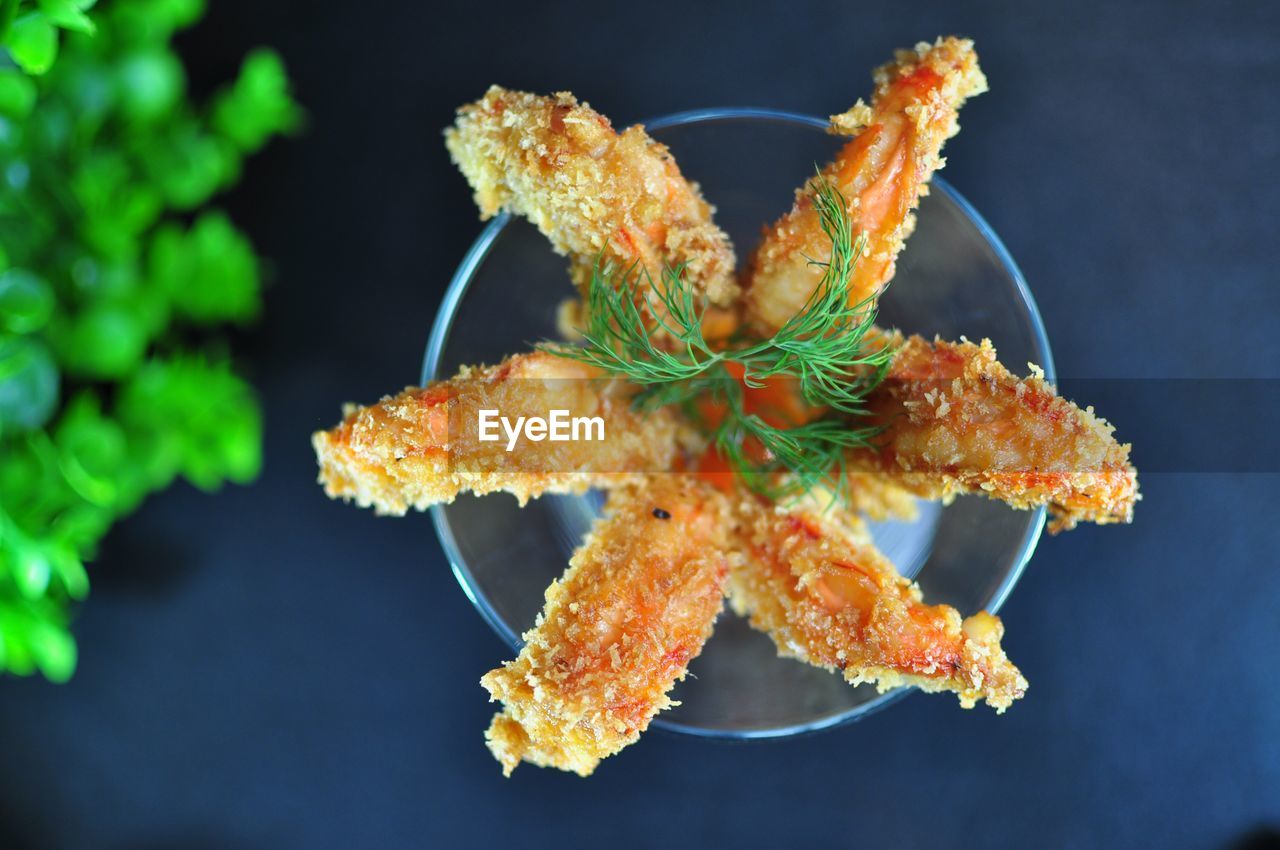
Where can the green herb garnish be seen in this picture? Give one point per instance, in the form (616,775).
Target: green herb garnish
(112,276)
(29,34)
(650,332)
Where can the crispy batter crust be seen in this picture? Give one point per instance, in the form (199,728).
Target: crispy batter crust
(882,173)
(589,189)
(814,583)
(959,422)
(880,497)
(422,447)
(618,629)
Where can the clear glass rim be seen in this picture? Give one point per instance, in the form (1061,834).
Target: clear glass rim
(480,249)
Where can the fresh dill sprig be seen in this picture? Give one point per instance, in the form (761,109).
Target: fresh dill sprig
(794,461)
(627,311)
(649,331)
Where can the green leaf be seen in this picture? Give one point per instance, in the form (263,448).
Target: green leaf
(19,476)
(54,650)
(26,301)
(81,526)
(259,105)
(151,83)
(210,273)
(28,384)
(68,14)
(33,43)
(17,94)
(8,11)
(118,205)
(152,21)
(104,341)
(202,417)
(175,13)
(91,452)
(188,165)
(32,573)
(70,569)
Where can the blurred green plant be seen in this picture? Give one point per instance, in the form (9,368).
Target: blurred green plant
(110,272)
(29,29)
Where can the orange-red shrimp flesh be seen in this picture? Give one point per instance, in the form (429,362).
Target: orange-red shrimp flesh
(882,173)
(813,582)
(423,447)
(618,630)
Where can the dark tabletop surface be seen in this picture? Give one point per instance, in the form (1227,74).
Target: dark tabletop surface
(264,668)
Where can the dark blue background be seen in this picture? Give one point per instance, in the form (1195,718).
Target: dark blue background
(264,668)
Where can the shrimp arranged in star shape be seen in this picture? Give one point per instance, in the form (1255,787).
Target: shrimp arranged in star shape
(679,533)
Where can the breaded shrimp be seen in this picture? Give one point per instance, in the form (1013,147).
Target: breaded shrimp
(813,582)
(594,192)
(619,629)
(882,173)
(423,447)
(957,421)
(879,497)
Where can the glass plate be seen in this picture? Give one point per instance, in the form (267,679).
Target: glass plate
(955,278)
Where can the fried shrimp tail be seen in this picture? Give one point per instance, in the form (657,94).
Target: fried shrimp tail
(954,420)
(424,446)
(814,583)
(597,194)
(882,173)
(957,421)
(618,630)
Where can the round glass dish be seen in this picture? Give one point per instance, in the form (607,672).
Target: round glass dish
(955,278)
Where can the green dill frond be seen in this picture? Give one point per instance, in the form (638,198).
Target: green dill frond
(825,344)
(627,312)
(650,333)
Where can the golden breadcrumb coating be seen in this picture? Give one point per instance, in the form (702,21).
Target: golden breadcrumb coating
(588,188)
(959,422)
(422,447)
(878,496)
(813,581)
(882,173)
(618,629)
